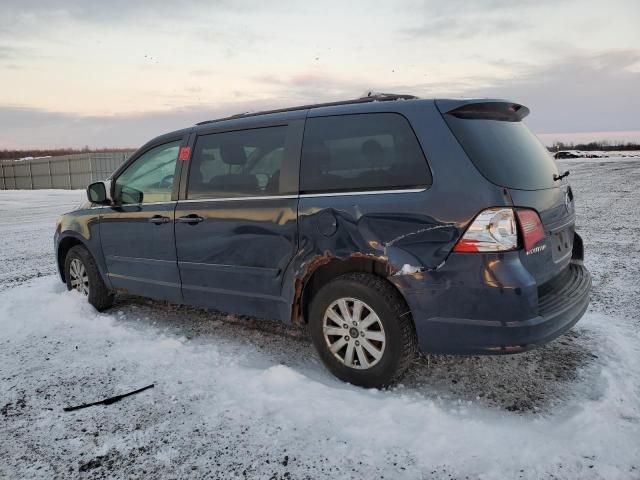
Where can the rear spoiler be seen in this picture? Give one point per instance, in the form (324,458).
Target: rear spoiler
(483,109)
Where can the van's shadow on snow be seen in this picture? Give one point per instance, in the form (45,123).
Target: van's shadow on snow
(532,381)
(529,382)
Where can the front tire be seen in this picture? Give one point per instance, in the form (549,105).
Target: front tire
(81,274)
(362,330)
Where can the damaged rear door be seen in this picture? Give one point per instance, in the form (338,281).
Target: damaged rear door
(358,171)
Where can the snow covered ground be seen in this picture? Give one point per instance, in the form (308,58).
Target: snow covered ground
(616,155)
(238,397)
(26,232)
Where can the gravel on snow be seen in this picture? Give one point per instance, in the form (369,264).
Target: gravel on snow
(241,397)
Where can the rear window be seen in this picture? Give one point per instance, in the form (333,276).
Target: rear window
(373,151)
(505,152)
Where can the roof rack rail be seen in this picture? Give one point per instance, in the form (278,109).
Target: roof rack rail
(370,97)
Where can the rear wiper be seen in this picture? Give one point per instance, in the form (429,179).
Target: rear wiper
(557,177)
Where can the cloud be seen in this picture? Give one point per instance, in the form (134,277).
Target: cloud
(478,7)
(31,127)
(462,19)
(21,18)
(12,57)
(98,11)
(576,94)
(202,72)
(312,85)
(614,138)
(464,28)
(579,93)
(10,52)
(7,53)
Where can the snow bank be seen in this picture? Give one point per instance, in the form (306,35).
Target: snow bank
(27,223)
(56,343)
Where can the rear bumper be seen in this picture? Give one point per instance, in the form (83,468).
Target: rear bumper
(546,312)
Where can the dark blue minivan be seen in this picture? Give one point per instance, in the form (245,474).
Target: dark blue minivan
(387,224)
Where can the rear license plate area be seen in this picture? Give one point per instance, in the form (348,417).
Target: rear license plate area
(561,244)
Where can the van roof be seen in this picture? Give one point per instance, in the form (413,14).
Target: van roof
(363,103)
(371,97)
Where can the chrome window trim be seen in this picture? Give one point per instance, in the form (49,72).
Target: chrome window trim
(363,192)
(232,199)
(274,197)
(168,202)
(305,195)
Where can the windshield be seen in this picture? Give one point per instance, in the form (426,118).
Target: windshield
(505,152)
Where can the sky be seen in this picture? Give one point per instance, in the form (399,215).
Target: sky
(116,73)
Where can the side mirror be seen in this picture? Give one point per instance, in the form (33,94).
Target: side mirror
(97,193)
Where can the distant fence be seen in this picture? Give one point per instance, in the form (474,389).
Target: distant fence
(66,172)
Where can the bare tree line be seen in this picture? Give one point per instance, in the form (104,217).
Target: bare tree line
(602,145)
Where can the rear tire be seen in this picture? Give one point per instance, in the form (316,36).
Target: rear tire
(373,344)
(81,274)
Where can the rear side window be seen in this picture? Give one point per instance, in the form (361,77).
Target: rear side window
(505,152)
(237,164)
(372,151)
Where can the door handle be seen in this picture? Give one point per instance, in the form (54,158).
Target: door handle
(159,219)
(192,219)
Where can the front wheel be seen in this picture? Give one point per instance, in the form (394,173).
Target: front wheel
(363,330)
(81,274)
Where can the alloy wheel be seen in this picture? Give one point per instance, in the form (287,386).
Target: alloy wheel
(354,333)
(79,276)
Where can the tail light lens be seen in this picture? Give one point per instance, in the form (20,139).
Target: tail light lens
(530,227)
(494,230)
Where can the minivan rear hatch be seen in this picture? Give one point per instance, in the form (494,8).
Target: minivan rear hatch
(509,155)
(501,147)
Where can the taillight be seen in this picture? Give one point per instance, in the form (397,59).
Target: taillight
(496,230)
(531,227)
(493,230)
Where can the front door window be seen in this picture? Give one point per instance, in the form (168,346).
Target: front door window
(150,178)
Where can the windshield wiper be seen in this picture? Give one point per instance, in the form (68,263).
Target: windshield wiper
(557,177)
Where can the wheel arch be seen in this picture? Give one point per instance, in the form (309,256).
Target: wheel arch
(66,244)
(323,269)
